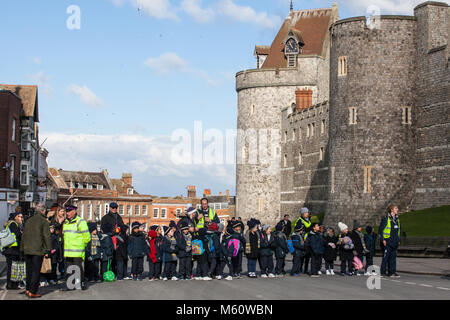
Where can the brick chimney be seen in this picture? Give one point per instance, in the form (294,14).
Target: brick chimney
(191,192)
(303,99)
(228,195)
(127,178)
(206,192)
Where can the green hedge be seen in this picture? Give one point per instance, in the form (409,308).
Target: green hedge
(432,222)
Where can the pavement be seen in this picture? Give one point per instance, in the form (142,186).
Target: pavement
(408,287)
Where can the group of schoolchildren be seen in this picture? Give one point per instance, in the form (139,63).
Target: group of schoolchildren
(213,247)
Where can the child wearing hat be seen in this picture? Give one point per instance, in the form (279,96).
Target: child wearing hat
(252,239)
(155,256)
(345,249)
(201,272)
(121,254)
(281,248)
(169,248)
(137,250)
(358,240)
(237,229)
(330,250)
(184,244)
(93,255)
(370,239)
(225,254)
(266,252)
(315,243)
(213,239)
(107,247)
(299,249)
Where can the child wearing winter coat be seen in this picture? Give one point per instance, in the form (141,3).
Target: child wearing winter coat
(370,239)
(346,247)
(358,241)
(213,241)
(93,255)
(107,247)
(201,272)
(330,250)
(236,233)
(184,245)
(281,249)
(252,239)
(315,243)
(266,252)
(137,250)
(169,248)
(299,249)
(224,254)
(121,254)
(155,255)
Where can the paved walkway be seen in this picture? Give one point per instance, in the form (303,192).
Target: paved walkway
(428,266)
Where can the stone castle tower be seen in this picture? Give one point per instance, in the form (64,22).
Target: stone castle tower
(361,112)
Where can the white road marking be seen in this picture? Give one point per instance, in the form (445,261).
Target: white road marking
(410,283)
(442,288)
(395,280)
(426,285)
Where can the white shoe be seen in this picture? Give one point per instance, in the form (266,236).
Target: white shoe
(271,275)
(207,278)
(229,278)
(219,277)
(127,278)
(197,278)
(366,273)
(263,275)
(328,272)
(165,279)
(319,272)
(332,272)
(174,278)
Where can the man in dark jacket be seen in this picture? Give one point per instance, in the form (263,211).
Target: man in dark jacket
(112,217)
(36,243)
(315,243)
(12,252)
(287,229)
(389,232)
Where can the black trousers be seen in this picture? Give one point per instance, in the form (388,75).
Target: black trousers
(137,266)
(75,262)
(222,265)
(202,265)
(306,260)
(389,260)
(121,269)
(170,269)
(316,262)
(329,265)
(267,264)
(345,263)
(279,266)
(296,265)
(185,269)
(33,265)
(237,263)
(213,263)
(93,270)
(154,270)
(9,260)
(369,261)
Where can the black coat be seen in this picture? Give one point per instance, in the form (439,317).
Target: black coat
(266,246)
(137,245)
(113,219)
(299,245)
(370,240)
(216,243)
(241,238)
(357,241)
(280,244)
(344,254)
(122,247)
(253,243)
(182,245)
(169,249)
(287,228)
(225,252)
(329,253)
(107,247)
(55,246)
(315,243)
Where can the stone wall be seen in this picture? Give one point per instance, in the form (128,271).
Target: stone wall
(380,81)
(433,105)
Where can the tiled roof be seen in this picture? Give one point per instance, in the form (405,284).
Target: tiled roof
(29,97)
(311,25)
(59,181)
(84,176)
(262,50)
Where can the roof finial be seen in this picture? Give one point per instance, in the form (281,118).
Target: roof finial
(292,6)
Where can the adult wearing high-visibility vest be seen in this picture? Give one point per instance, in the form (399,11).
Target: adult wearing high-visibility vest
(76,237)
(205,215)
(304,219)
(389,232)
(12,252)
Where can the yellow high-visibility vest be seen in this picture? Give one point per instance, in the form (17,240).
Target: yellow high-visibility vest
(201,222)
(387,229)
(76,237)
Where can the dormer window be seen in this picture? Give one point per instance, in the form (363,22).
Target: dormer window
(292,47)
(129,190)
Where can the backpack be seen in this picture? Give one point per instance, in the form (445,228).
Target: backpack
(6,238)
(236,246)
(197,247)
(210,243)
(290,245)
(357,263)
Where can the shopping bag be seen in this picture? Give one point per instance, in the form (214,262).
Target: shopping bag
(18,271)
(109,276)
(46,265)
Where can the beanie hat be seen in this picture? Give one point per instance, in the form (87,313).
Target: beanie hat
(107,228)
(257,222)
(135,225)
(113,205)
(265,227)
(279,226)
(172,224)
(190,210)
(369,229)
(342,226)
(13,215)
(154,227)
(213,226)
(251,223)
(92,226)
(184,225)
(356,225)
(304,210)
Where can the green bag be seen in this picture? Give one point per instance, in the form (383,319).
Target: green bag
(109,276)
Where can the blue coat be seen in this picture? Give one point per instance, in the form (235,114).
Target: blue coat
(107,247)
(299,245)
(137,246)
(169,249)
(370,240)
(315,242)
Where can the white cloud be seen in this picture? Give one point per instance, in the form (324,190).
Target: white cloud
(86,95)
(171,62)
(42,81)
(148,158)
(386,6)
(247,14)
(194,9)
